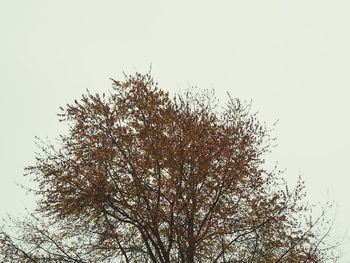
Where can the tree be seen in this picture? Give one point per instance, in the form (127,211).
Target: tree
(141,177)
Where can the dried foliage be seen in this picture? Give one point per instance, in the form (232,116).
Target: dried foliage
(142,177)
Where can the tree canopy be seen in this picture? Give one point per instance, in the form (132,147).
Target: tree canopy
(143,177)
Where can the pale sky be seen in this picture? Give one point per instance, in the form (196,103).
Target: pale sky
(290,57)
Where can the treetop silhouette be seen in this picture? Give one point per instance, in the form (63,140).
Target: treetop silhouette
(142,177)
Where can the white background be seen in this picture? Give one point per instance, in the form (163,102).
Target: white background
(290,57)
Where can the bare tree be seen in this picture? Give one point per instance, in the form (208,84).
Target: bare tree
(142,177)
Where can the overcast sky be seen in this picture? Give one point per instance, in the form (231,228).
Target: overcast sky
(292,58)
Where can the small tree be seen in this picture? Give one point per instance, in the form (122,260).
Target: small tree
(141,177)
